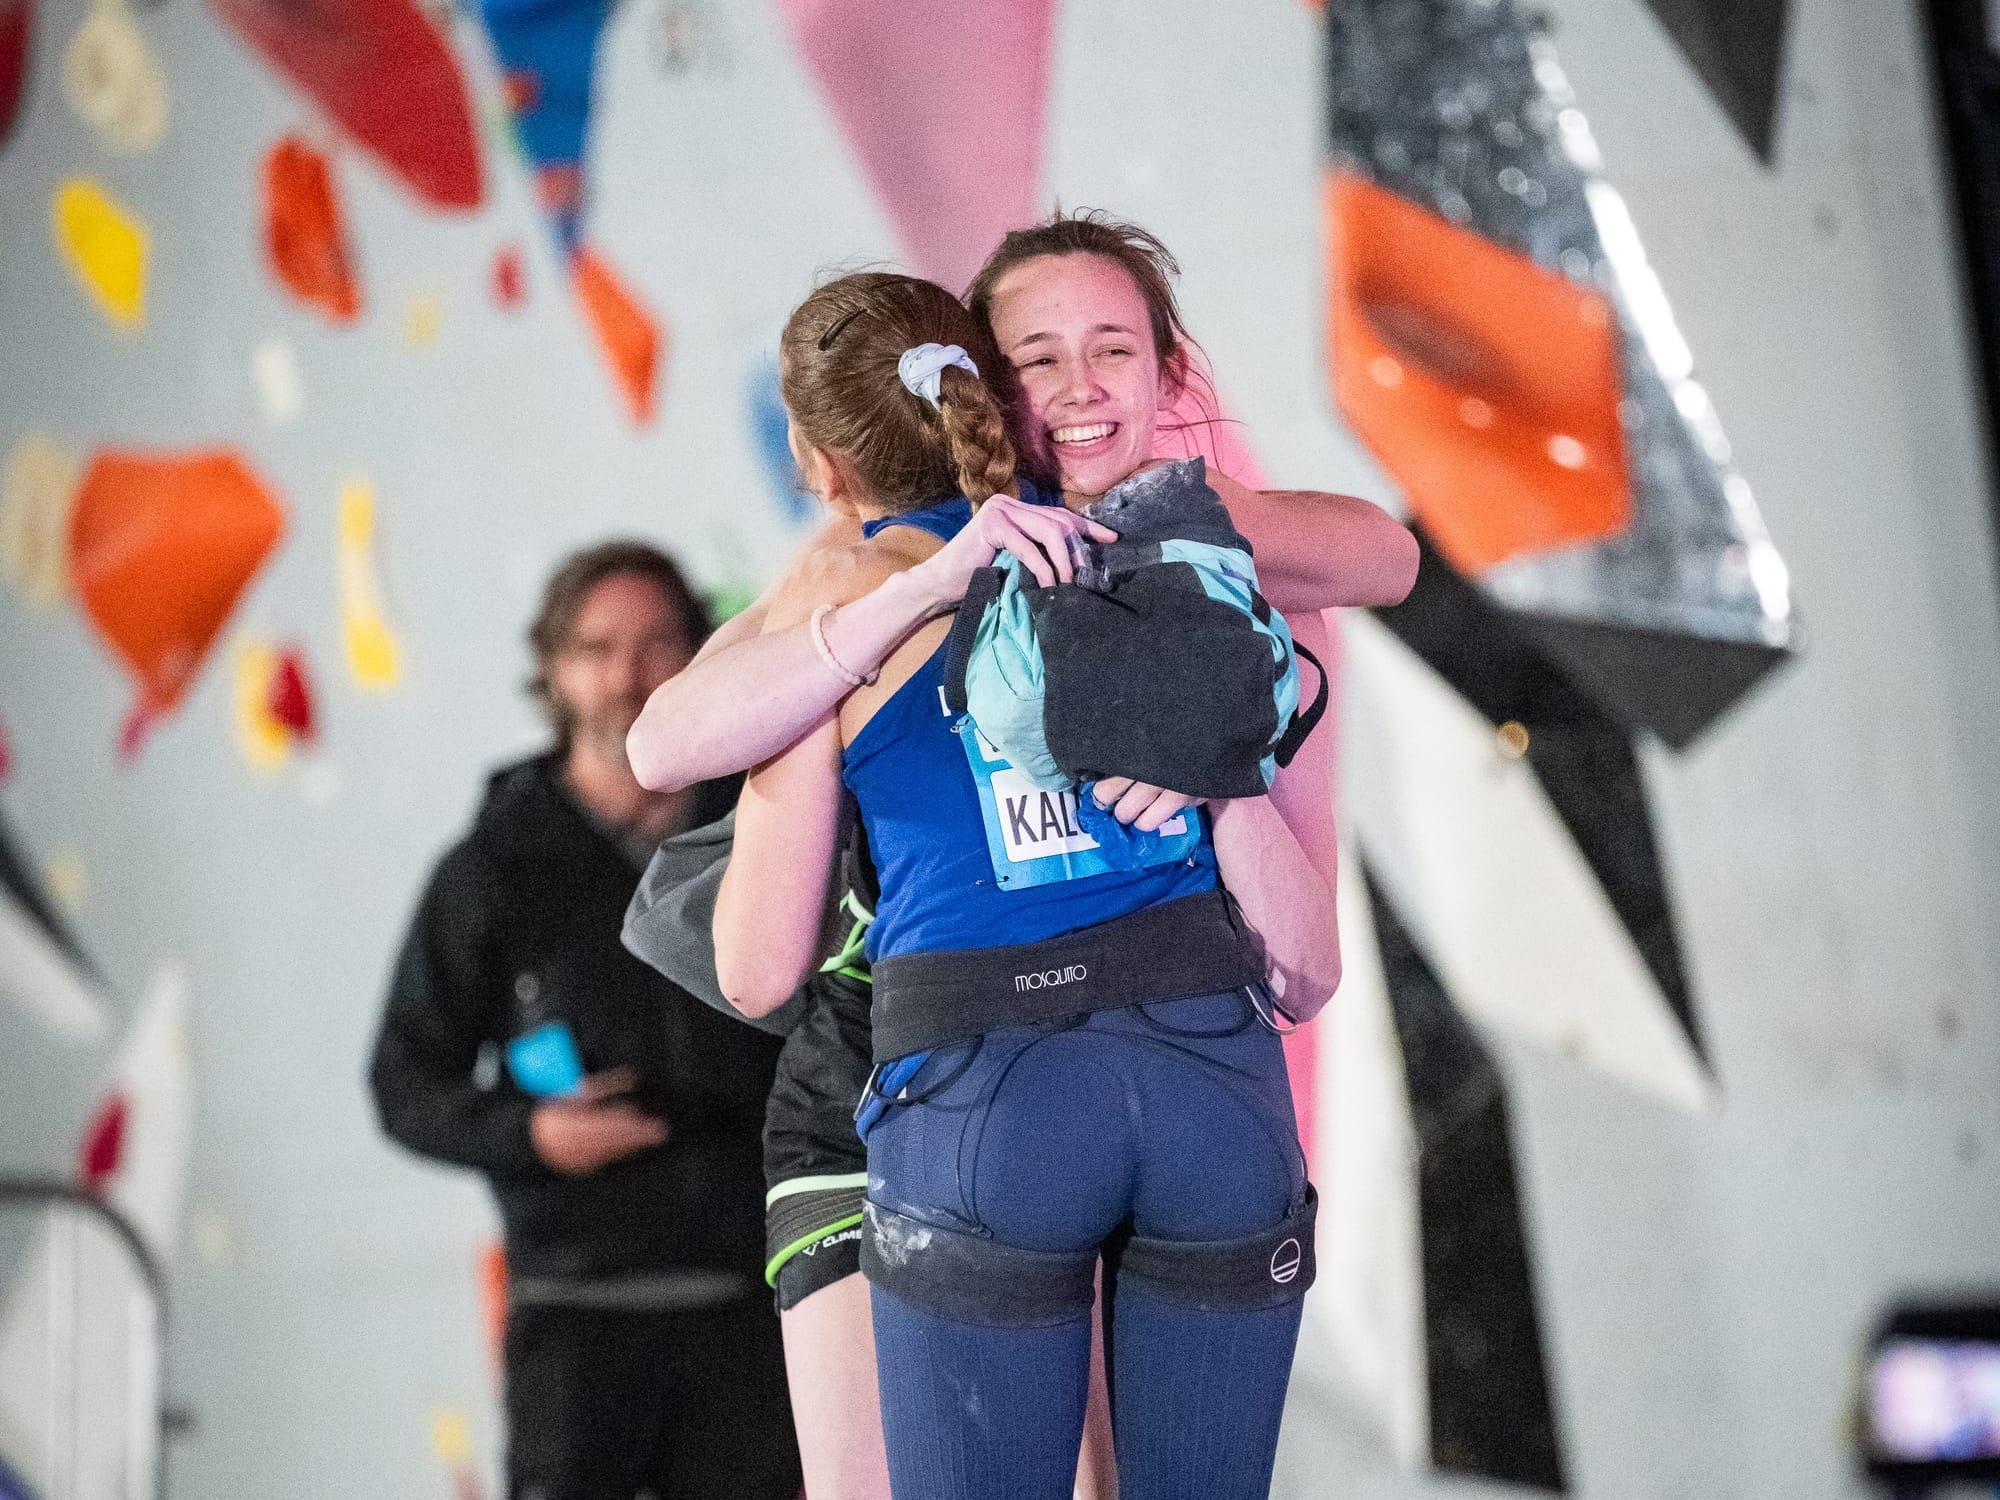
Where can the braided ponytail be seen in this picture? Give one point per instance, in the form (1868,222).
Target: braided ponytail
(838,367)
(975,433)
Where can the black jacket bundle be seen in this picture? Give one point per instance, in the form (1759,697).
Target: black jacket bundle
(1161,660)
(519,926)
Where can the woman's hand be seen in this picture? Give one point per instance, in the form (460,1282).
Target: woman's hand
(1139,804)
(587,1131)
(1037,534)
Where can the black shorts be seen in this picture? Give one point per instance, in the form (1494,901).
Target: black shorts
(815,1166)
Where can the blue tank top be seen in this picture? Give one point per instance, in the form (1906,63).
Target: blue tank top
(970,853)
(943,519)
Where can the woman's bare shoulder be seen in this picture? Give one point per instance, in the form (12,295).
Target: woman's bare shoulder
(834,531)
(834,574)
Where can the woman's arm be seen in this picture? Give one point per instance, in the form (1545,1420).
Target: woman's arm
(1280,858)
(1320,551)
(1284,900)
(749,700)
(771,907)
(772,902)
(746,701)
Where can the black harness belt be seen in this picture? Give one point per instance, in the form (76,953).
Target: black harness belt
(972,1278)
(1266,1269)
(1193,946)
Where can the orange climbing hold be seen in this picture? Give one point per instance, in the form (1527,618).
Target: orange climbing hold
(305,238)
(160,547)
(1488,386)
(490,1269)
(631,341)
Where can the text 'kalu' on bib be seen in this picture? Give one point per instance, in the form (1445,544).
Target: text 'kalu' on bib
(1036,837)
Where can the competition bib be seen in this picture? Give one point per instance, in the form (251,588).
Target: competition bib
(1036,837)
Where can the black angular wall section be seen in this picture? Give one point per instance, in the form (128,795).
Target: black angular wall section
(18,883)
(1965,57)
(1491,1413)
(1738,48)
(1581,756)
(1657,627)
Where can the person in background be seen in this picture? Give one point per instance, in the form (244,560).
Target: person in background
(616,1118)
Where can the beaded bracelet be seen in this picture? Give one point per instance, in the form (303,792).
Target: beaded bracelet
(826,652)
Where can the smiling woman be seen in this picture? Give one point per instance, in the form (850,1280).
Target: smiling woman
(1084,312)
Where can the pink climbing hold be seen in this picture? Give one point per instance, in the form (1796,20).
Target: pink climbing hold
(103,1143)
(952,147)
(15,54)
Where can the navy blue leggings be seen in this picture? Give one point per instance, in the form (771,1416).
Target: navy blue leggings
(1174,1119)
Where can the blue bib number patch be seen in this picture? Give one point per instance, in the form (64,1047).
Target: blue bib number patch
(1036,837)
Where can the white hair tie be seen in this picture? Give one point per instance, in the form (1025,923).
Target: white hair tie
(923,367)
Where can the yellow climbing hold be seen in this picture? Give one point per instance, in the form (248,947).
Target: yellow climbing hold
(105,248)
(36,497)
(451,1437)
(422,319)
(261,738)
(372,658)
(66,877)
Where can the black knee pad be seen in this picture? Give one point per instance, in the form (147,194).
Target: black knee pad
(1267,1269)
(969,1278)
(811,1234)
(834,1256)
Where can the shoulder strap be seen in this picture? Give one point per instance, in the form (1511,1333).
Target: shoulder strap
(979,594)
(1306,719)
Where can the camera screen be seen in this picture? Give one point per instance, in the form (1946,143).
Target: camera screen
(1934,1400)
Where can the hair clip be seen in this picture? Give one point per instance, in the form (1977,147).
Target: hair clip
(834,332)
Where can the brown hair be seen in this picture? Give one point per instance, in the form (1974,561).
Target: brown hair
(1152,267)
(570,585)
(837,362)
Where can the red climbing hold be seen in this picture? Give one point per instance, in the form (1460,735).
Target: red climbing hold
(14,57)
(387,77)
(290,702)
(103,1143)
(510,277)
(304,237)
